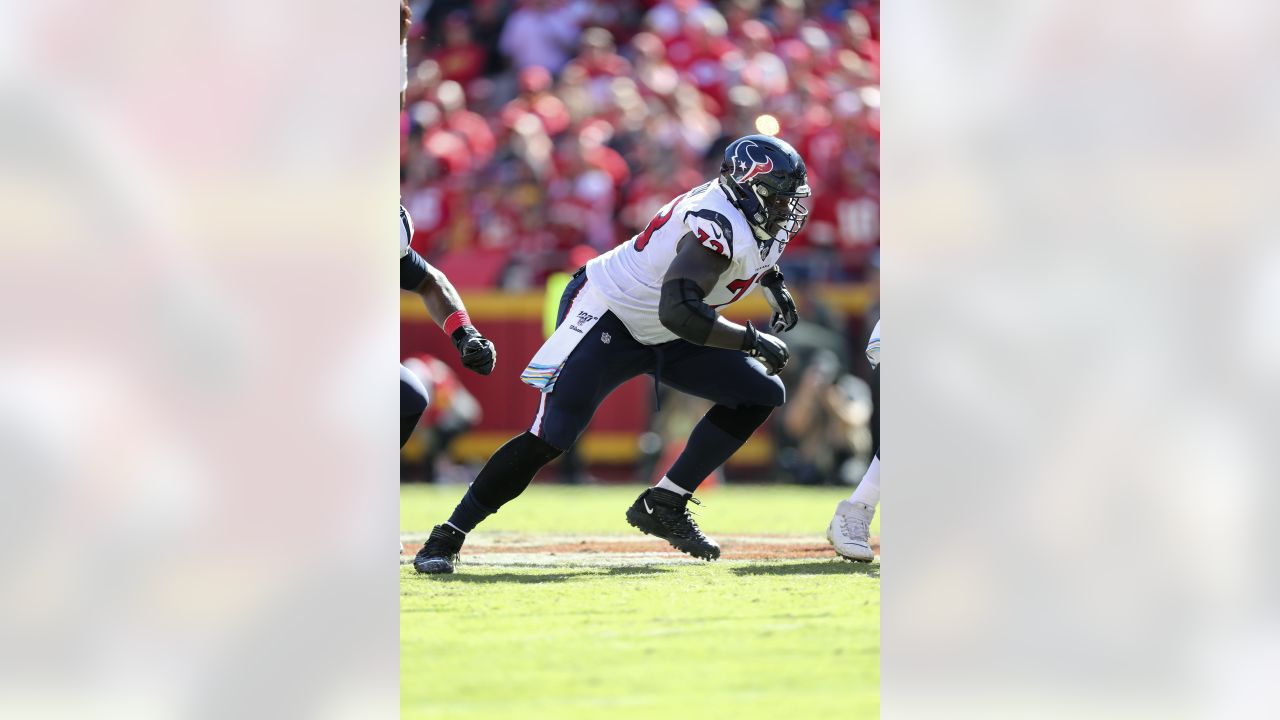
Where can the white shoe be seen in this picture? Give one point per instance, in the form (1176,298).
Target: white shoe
(850,531)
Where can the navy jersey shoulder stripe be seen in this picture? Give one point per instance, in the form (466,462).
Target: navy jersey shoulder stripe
(726,227)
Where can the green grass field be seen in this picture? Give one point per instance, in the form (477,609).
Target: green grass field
(550,632)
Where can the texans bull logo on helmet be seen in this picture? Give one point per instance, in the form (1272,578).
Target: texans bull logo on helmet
(750,160)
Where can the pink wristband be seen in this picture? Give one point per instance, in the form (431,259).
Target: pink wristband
(455,321)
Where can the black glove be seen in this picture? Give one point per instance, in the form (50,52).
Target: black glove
(476,350)
(766,348)
(785,316)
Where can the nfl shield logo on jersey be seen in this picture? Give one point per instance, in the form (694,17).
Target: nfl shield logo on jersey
(605,338)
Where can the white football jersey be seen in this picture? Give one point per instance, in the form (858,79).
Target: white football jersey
(629,277)
(406,231)
(873,346)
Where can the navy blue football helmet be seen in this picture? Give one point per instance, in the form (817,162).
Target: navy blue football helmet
(765,178)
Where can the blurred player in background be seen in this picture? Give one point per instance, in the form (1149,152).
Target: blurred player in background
(649,306)
(850,529)
(446,308)
(442,301)
(453,411)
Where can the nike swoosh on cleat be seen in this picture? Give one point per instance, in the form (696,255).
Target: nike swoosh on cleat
(646,506)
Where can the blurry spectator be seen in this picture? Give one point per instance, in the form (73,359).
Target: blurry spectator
(653,72)
(430,191)
(856,204)
(739,12)
(745,105)
(448,148)
(802,62)
(423,81)
(432,13)
(583,195)
(698,125)
(536,98)
(574,92)
(541,33)
(703,52)
(461,59)
(620,17)
(667,18)
(762,69)
(488,19)
(530,147)
(786,17)
(469,126)
(600,63)
(857,36)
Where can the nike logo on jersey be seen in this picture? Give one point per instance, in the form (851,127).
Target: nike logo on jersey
(712,229)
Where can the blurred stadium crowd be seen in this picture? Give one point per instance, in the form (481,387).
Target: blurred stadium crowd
(539,132)
(534,125)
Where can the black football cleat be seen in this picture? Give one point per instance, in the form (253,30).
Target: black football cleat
(440,552)
(665,514)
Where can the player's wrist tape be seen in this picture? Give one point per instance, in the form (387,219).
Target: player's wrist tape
(456,322)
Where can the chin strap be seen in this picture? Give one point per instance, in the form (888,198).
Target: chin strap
(749,205)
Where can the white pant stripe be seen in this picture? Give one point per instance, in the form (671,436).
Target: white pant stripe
(537,421)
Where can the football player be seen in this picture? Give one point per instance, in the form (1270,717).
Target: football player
(649,306)
(446,308)
(850,529)
(442,301)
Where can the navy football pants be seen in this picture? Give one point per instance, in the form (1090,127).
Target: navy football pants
(609,356)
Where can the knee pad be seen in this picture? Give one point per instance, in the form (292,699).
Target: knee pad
(739,422)
(534,449)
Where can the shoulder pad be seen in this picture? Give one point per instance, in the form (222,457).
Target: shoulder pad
(712,229)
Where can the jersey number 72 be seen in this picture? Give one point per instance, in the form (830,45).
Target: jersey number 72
(642,240)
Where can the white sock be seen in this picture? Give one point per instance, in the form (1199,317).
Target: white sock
(868,491)
(666,484)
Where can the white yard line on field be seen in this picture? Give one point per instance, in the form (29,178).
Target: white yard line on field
(522,539)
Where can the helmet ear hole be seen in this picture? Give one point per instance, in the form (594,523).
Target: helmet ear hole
(762,193)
